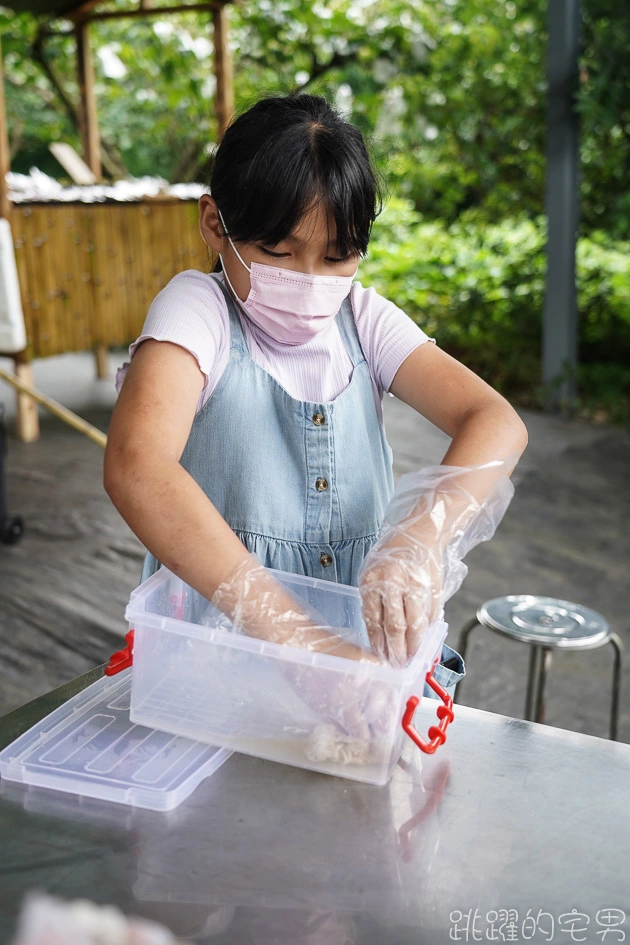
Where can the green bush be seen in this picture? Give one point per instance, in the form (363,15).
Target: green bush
(478,289)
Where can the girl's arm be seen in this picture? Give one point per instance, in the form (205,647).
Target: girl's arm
(159,500)
(482,424)
(403,579)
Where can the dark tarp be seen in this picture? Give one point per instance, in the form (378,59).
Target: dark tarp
(43,7)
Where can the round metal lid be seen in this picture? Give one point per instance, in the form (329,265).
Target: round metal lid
(544,620)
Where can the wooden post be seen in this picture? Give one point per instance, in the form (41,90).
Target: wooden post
(27,417)
(88,121)
(88,126)
(5,206)
(224,99)
(101,352)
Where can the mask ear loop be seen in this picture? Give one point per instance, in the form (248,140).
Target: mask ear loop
(240,258)
(227,278)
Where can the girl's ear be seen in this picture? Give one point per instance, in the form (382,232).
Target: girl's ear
(210,225)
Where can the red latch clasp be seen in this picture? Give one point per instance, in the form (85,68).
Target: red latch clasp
(437,733)
(121,659)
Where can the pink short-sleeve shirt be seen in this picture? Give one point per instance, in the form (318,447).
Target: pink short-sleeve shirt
(191,311)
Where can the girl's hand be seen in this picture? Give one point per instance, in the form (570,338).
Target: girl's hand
(401,587)
(259,606)
(357,708)
(434,518)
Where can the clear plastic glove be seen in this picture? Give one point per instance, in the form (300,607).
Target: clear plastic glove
(435,517)
(359,708)
(260,607)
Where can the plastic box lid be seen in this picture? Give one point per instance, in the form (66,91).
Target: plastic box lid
(89,746)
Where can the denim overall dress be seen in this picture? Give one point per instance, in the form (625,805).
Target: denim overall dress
(304,485)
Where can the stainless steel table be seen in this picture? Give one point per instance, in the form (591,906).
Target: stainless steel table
(512,831)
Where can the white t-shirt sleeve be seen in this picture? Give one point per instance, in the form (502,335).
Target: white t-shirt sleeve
(387,334)
(191,312)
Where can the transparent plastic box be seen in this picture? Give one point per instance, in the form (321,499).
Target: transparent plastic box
(195,676)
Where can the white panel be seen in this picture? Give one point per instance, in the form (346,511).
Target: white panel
(12,332)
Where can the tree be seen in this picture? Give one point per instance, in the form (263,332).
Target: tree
(154,88)
(451,94)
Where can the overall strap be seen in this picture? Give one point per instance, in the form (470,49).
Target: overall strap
(347,327)
(237,336)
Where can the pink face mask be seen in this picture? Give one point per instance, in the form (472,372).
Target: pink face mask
(292,307)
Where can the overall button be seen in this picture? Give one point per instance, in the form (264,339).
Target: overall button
(326,560)
(318,419)
(321,485)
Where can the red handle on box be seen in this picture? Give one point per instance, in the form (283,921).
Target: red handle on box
(437,733)
(121,659)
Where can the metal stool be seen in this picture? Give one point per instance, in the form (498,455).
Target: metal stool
(547,624)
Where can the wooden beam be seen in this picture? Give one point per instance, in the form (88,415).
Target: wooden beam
(152,11)
(79,13)
(88,120)
(224,97)
(5,161)
(23,382)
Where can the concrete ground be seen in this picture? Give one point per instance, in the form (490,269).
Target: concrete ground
(64,587)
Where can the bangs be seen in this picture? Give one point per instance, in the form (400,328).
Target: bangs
(293,168)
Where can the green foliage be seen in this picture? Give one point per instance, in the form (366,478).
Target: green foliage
(452,93)
(157,118)
(478,290)
(453,98)
(604,105)
(476,134)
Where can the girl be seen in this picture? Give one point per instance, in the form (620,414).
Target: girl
(248,430)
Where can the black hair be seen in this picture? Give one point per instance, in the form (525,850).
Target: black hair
(280,158)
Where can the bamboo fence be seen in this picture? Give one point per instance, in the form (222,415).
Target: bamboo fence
(88,272)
